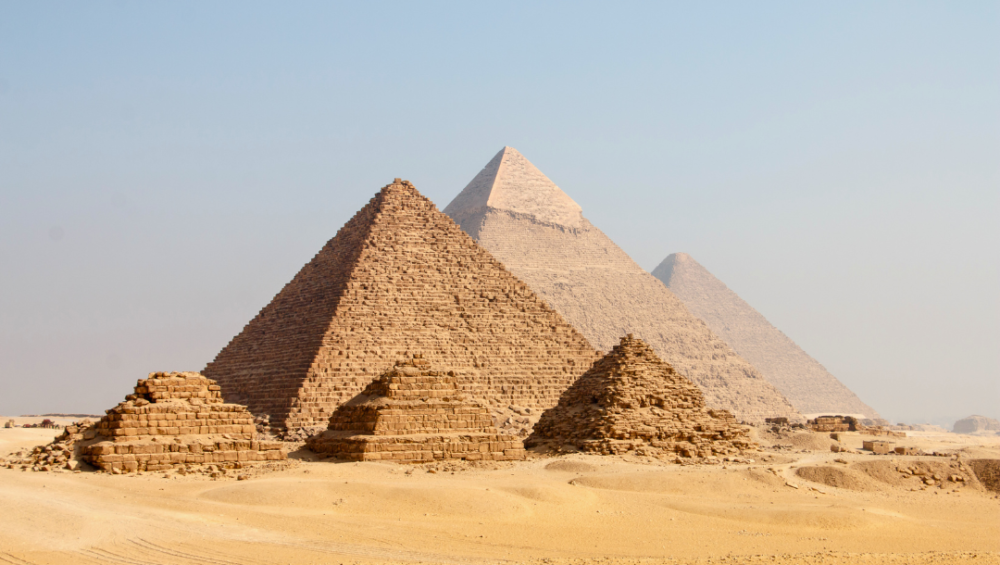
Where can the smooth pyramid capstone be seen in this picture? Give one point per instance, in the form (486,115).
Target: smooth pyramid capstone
(414,414)
(400,277)
(538,232)
(802,379)
(633,401)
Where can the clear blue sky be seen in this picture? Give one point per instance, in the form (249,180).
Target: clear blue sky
(166,167)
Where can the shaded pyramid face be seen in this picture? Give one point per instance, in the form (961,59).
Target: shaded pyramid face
(632,400)
(809,386)
(399,277)
(597,287)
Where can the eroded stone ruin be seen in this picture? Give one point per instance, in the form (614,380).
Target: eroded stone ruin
(975,425)
(538,232)
(174,420)
(802,379)
(414,414)
(399,277)
(631,400)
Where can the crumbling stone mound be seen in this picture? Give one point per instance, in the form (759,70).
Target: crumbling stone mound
(536,230)
(976,424)
(174,420)
(836,477)
(413,414)
(632,400)
(399,277)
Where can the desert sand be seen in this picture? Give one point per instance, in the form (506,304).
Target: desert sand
(571,509)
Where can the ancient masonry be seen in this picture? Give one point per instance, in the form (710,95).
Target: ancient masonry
(633,400)
(172,421)
(400,277)
(540,234)
(806,384)
(413,414)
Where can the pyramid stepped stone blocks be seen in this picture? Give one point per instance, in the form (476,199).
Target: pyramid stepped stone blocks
(540,235)
(803,381)
(413,414)
(400,277)
(174,420)
(632,400)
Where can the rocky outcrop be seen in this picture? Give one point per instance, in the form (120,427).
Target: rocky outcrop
(399,277)
(976,424)
(414,414)
(631,400)
(807,384)
(538,232)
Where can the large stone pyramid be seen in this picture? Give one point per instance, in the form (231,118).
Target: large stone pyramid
(413,414)
(632,400)
(399,277)
(540,234)
(809,386)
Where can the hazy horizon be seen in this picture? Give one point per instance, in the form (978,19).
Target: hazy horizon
(166,169)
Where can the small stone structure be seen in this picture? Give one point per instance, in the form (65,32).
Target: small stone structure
(175,420)
(8,424)
(633,400)
(849,424)
(413,414)
(908,451)
(877,447)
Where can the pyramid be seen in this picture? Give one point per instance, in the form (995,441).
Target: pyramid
(803,381)
(540,234)
(174,420)
(632,400)
(413,414)
(399,277)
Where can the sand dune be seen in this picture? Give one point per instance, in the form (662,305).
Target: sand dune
(575,509)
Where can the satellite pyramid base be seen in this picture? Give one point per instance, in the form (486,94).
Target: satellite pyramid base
(412,414)
(631,400)
(175,420)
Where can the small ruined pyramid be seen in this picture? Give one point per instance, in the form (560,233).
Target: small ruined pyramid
(173,420)
(803,381)
(399,277)
(540,234)
(632,400)
(413,414)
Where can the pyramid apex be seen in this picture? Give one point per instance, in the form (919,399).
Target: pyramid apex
(511,183)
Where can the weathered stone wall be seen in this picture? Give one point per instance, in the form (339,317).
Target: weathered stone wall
(400,277)
(632,400)
(414,414)
(802,379)
(538,232)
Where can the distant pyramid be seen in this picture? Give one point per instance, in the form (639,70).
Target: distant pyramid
(802,380)
(540,234)
(632,400)
(399,277)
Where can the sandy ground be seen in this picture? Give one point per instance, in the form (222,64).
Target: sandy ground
(574,509)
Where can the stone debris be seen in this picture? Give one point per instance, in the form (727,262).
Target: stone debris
(802,379)
(63,454)
(400,277)
(631,400)
(838,424)
(176,420)
(413,414)
(538,232)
